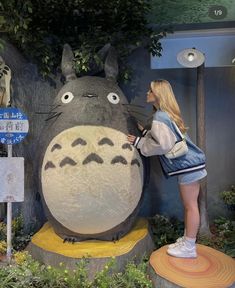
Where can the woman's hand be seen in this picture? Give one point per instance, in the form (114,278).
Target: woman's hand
(131,138)
(140,127)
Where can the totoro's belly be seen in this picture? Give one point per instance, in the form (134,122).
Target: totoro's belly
(91,178)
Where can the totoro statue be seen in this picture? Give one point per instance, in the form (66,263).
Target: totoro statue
(91,178)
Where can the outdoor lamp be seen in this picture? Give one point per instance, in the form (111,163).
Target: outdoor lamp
(190,58)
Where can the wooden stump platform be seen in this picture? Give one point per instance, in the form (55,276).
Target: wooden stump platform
(48,248)
(211,269)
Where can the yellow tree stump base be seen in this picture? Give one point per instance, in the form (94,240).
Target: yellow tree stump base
(47,247)
(211,269)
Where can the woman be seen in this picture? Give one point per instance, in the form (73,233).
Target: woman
(189,168)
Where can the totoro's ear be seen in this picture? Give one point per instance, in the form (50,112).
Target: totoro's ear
(111,65)
(104,51)
(67,63)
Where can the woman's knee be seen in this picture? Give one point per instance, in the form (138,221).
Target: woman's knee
(192,206)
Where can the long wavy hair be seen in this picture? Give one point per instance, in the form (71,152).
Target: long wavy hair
(166,101)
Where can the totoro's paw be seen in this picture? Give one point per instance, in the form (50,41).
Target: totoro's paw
(116,237)
(70,240)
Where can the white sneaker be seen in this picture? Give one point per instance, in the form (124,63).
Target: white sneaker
(182,251)
(178,241)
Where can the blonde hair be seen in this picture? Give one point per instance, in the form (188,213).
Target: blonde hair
(166,101)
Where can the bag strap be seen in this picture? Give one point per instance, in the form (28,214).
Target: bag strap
(178,130)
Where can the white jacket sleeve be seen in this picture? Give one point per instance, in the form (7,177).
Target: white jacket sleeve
(158,141)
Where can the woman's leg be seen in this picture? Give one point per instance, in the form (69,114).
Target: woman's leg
(189,194)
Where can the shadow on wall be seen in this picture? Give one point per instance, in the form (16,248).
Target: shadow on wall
(161,194)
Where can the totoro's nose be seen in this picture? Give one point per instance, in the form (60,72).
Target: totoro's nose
(89,95)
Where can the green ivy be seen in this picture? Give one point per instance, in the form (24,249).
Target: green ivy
(40,28)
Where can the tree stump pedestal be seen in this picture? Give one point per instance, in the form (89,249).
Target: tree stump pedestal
(48,248)
(211,269)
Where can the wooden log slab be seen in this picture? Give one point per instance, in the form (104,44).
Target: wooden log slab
(211,269)
(48,248)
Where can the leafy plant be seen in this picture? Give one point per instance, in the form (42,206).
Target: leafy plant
(165,230)
(3,247)
(40,28)
(29,273)
(20,239)
(223,237)
(229,196)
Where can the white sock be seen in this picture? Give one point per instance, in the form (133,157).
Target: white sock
(190,242)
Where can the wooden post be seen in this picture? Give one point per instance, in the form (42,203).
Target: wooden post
(201,142)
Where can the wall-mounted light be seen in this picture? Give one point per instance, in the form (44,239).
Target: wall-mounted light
(190,58)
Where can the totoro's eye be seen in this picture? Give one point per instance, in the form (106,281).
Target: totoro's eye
(67,97)
(113,98)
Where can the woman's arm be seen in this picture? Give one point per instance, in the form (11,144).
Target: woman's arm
(159,140)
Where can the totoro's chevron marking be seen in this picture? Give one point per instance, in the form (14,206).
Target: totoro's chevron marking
(78,141)
(67,161)
(127,146)
(48,165)
(93,157)
(106,141)
(119,159)
(56,146)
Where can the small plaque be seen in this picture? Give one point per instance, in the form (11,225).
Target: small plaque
(11,179)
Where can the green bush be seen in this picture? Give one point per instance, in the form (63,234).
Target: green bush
(40,28)
(228,196)
(165,230)
(29,273)
(20,239)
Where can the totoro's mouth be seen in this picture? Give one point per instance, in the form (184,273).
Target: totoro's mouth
(89,95)
(85,170)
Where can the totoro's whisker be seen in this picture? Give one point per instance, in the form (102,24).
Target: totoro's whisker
(38,112)
(119,159)
(56,114)
(133,111)
(46,104)
(54,107)
(134,105)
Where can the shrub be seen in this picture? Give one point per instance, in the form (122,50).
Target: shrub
(40,28)
(29,273)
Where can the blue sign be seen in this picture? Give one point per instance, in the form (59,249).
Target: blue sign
(14,126)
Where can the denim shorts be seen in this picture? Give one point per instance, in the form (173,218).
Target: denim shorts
(191,177)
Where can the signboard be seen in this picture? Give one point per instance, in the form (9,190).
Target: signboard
(14,126)
(12,179)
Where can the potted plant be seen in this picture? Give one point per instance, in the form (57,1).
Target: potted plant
(228,197)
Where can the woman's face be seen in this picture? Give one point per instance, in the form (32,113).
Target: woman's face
(150,96)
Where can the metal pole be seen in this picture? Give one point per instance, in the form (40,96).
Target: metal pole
(9,217)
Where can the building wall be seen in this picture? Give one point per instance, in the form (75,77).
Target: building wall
(162,195)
